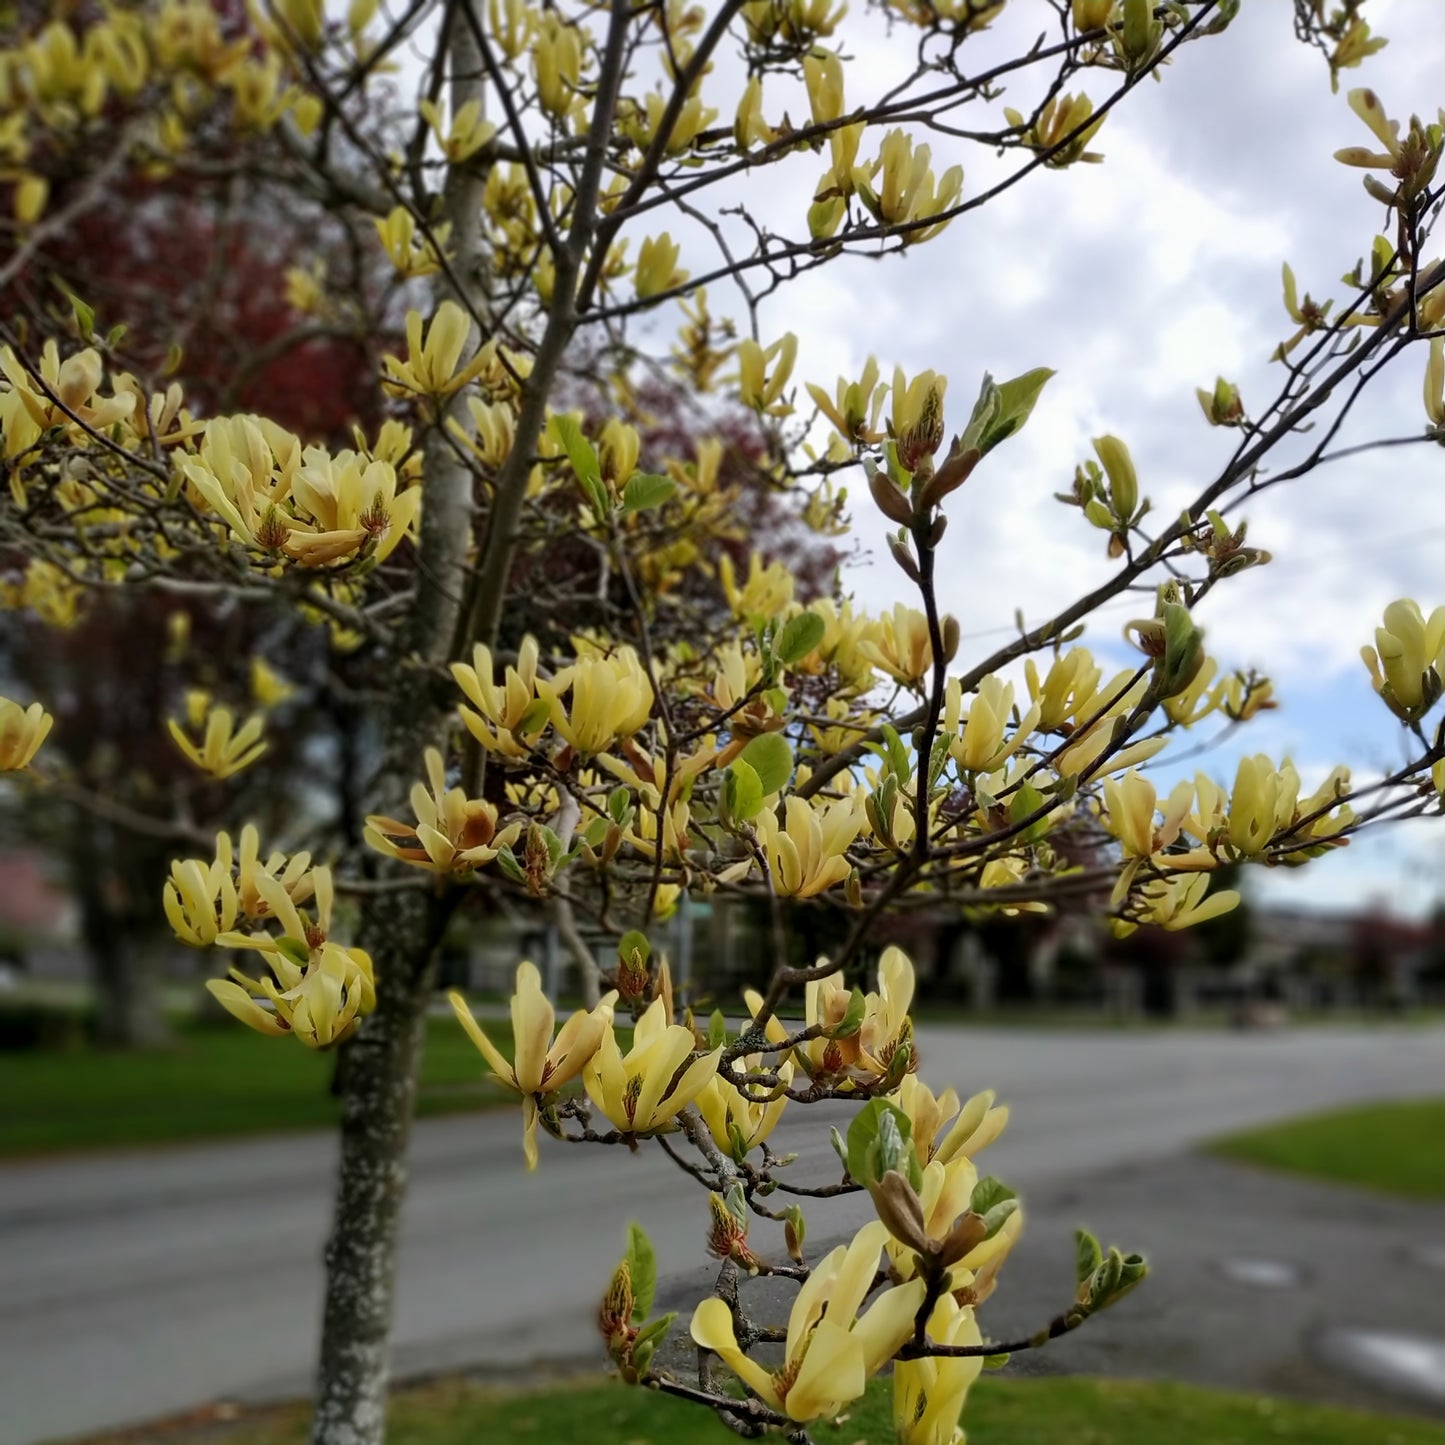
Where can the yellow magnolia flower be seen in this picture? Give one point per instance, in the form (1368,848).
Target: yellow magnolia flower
(452,834)
(1404,663)
(944,1200)
(749,126)
(1435,383)
(886,1023)
(1058,120)
(1072,680)
(929,1393)
(619,450)
(321,1004)
(318,989)
(611,699)
(469,131)
(22,730)
(200,898)
(1241,697)
(643,1091)
(908,191)
(409,250)
(867,1053)
(295,875)
(557,65)
(760,389)
(900,644)
(432,361)
(807,854)
(1130,803)
(508,715)
(738,1124)
(980,745)
(244,471)
(1177,902)
(73,382)
(657,269)
(224,749)
(831,1351)
(767,591)
(978,1124)
(1262,802)
(543,1063)
(641,124)
(512,23)
(350,500)
(855,406)
(268,687)
(798,22)
(1095,732)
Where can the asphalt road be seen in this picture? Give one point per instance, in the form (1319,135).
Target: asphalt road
(139,1284)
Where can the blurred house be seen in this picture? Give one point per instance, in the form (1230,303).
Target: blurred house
(38,918)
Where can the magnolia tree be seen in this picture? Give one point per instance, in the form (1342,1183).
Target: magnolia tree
(530,213)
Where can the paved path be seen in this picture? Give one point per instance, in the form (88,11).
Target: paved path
(137,1284)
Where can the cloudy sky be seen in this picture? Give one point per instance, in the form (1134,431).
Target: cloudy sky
(1138,280)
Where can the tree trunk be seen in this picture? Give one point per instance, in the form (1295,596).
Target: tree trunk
(124,963)
(130,1010)
(401,928)
(379,1084)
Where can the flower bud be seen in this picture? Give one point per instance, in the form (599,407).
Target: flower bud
(614,1318)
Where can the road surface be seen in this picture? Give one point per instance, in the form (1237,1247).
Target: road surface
(137,1284)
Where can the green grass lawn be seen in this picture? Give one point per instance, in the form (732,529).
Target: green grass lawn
(1397,1147)
(1000,1412)
(217,1079)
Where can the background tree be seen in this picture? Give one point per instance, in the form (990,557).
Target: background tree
(697,728)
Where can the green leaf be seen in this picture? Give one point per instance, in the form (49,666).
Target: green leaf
(1016,401)
(798,637)
(595,832)
(852,1019)
(84,315)
(646,489)
(880,1138)
(998,1216)
(296,949)
(580,452)
(1025,801)
(984,416)
(996,1362)
(742,792)
(939,760)
(896,754)
(736,1202)
(642,1265)
(717,1029)
(634,943)
(988,1192)
(1087,1255)
(771,759)
(737,1140)
(651,1335)
(534,718)
(617,805)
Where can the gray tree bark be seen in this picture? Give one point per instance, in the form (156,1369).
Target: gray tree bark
(401,928)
